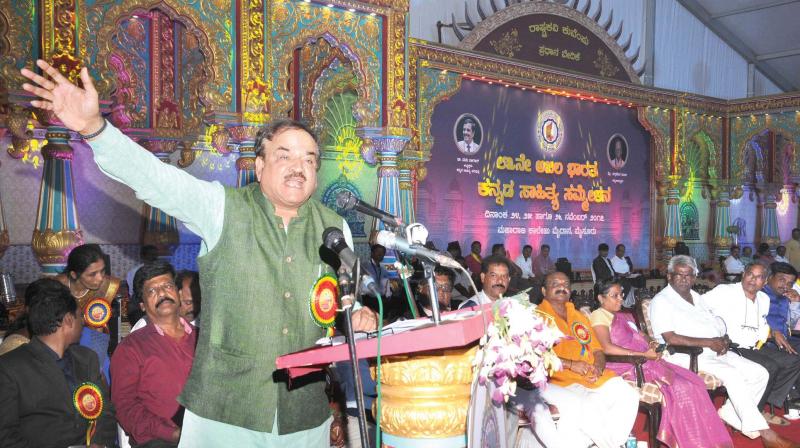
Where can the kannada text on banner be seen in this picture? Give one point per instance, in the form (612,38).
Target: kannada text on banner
(521,167)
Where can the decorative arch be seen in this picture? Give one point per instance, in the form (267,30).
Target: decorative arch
(354,34)
(658,126)
(211,35)
(361,112)
(746,150)
(510,40)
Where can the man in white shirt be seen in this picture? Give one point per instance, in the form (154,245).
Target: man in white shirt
(780,255)
(678,318)
(743,308)
(525,262)
(623,269)
(495,278)
(733,265)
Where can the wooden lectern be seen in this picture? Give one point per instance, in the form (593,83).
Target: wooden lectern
(426,374)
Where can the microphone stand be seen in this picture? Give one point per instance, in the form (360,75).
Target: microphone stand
(347,305)
(428,267)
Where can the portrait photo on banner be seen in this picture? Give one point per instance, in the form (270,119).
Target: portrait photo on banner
(617,151)
(468,134)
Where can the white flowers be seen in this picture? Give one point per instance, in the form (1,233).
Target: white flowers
(517,344)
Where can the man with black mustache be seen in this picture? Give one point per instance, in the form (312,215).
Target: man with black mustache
(151,365)
(495,278)
(259,258)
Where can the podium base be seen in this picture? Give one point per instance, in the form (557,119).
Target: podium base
(425,398)
(390,441)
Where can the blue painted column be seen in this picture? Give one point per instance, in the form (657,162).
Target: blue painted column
(158,228)
(672,218)
(769,221)
(408,184)
(722,220)
(57,230)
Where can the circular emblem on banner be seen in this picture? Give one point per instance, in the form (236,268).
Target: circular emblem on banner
(324,301)
(549,131)
(582,334)
(88,401)
(97,313)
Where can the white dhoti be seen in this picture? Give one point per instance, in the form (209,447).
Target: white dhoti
(604,416)
(745,382)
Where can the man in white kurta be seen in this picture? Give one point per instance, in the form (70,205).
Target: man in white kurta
(525,262)
(678,318)
(744,307)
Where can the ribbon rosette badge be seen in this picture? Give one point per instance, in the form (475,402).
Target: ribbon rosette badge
(324,301)
(97,313)
(583,335)
(88,401)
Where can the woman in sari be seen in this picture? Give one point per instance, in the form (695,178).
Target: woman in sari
(688,417)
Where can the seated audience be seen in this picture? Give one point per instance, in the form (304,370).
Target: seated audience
(150,366)
(474,259)
(778,288)
(38,379)
(780,254)
(19,331)
(525,262)
(688,417)
(734,266)
(678,317)
(542,264)
(85,276)
(743,307)
(374,268)
(747,255)
(494,278)
(443,278)
(601,265)
(595,405)
(764,255)
(189,296)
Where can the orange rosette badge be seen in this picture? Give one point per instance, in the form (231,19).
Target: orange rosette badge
(97,313)
(88,401)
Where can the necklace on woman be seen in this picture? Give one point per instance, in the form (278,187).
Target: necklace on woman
(70,289)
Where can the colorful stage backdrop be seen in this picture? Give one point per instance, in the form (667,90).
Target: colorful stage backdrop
(539,169)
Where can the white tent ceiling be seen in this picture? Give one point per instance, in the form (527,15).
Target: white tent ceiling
(764,32)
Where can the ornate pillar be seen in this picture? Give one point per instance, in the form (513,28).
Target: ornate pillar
(388,147)
(769,221)
(158,228)
(244,137)
(722,219)
(672,218)
(57,230)
(408,182)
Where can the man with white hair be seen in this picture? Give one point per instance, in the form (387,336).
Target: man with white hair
(678,317)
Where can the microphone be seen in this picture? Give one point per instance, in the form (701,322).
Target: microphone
(333,239)
(347,201)
(391,241)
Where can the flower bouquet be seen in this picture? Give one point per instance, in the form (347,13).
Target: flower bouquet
(517,348)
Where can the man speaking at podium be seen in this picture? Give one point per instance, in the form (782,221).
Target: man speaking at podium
(258,260)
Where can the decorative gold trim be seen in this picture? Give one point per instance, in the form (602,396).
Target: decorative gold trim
(500,18)
(426,395)
(53,247)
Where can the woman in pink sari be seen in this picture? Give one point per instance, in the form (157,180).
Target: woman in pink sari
(688,417)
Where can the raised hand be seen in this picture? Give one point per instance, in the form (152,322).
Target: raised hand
(78,108)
